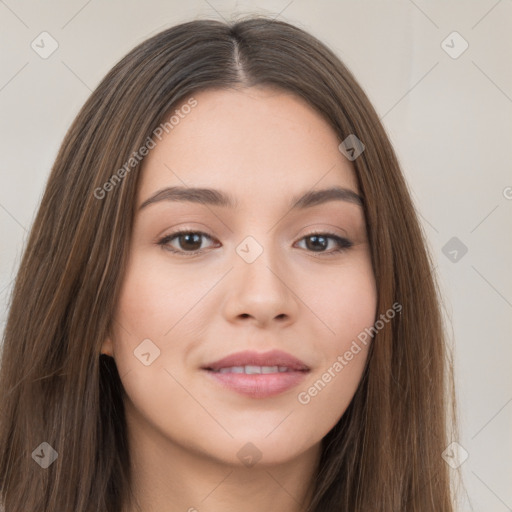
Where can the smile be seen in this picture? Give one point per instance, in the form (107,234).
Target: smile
(253,370)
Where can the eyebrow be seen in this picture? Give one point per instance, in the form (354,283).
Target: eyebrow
(218,198)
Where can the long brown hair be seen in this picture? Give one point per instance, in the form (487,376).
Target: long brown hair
(55,387)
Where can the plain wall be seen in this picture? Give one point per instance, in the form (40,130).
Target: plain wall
(450,120)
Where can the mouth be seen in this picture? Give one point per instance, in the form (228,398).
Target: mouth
(254,370)
(258,375)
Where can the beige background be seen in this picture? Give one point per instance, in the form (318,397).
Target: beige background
(450,120)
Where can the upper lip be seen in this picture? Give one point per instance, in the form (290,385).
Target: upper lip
(252,358)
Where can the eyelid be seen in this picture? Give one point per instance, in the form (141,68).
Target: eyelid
(330,230)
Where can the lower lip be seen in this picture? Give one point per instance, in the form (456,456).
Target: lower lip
(259,385)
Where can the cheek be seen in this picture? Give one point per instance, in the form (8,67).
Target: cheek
(153,301)
(151,318)
(347,309)
(345,300)
(157,315)
(326,396)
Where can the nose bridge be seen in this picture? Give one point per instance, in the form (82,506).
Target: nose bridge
(259,286)
(257,265)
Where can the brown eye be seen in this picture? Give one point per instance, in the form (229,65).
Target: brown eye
(319,242)
(189,241)
(185,242)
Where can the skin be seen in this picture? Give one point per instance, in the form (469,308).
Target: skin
(263,147)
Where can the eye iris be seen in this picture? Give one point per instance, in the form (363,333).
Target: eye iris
(193,238)
(315,241)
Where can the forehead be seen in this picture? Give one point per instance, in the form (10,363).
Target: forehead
(258,143)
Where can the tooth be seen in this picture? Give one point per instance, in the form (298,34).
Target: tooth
(232,369)
(252,369)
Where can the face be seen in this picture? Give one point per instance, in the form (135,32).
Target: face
(288,283)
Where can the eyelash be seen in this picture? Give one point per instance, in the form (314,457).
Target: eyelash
(343,243)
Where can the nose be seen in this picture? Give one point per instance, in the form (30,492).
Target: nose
(261,293)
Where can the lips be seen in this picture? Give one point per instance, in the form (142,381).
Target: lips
(250,360)
(257,375)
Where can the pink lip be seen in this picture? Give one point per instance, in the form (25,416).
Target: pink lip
(249,357)
(259,385)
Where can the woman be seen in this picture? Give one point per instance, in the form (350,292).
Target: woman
(226,299)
